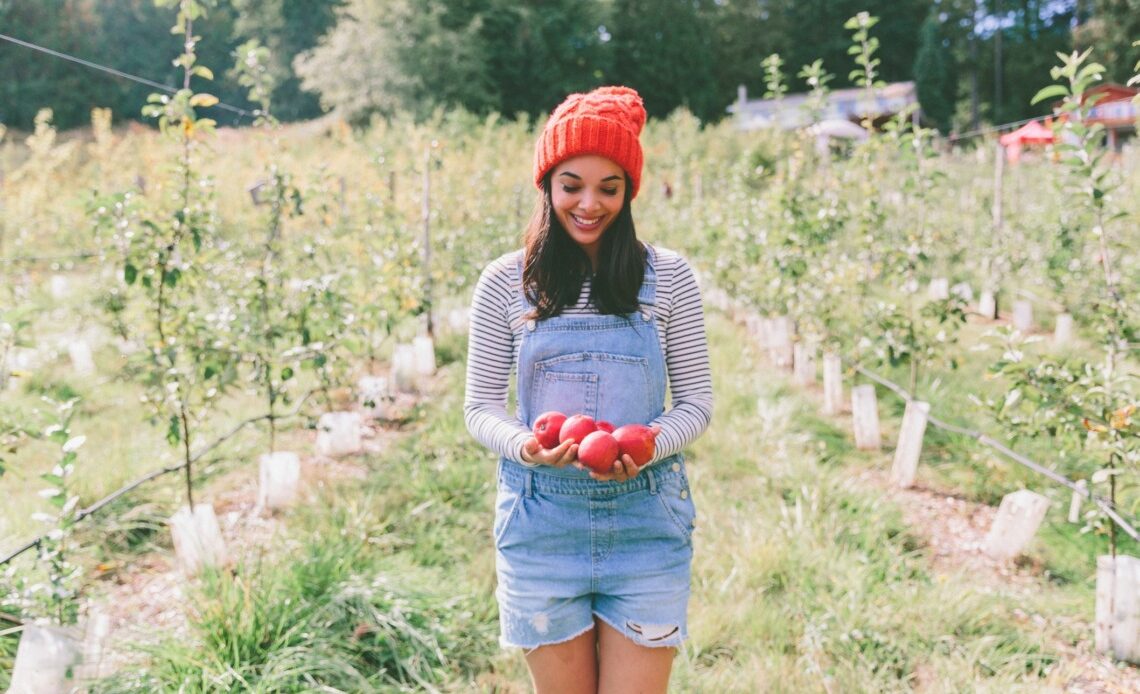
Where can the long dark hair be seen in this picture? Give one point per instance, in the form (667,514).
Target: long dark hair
(555,266)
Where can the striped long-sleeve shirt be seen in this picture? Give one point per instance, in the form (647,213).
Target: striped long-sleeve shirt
(496,333)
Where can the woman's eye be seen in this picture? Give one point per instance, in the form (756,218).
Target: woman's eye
(611,191)
(570,189)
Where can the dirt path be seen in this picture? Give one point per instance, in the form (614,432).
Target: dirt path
(146,600)
(954,529)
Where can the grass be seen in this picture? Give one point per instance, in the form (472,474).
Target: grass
(804,581)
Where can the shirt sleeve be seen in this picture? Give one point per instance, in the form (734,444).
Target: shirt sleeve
(490,359)
(687,364)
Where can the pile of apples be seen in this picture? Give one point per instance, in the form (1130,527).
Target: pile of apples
(599,444)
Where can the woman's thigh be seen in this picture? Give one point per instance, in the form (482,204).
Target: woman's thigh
(570,667)
(624,666)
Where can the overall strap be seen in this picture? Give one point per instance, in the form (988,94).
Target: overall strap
(647,295)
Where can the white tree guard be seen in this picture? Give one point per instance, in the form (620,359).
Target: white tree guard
(458,319)
(1126,610)
(780,342)
(59,286)
(1105,591)
(94,646)
(938,289)
(1063,332)
(403,374)
(197,538)
(987,304)
(1017,521)
(373,396)
(338,434)
(424,350)
(865,418)
(81,359)
(43,659)
(803,363)
(1023,316)
(832,384)
(963,291)
(909,447)
(278,476)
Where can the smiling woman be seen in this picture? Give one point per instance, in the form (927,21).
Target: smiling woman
(593,566)
(587,196)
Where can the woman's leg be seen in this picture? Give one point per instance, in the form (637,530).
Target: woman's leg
(627,668)
(570,667)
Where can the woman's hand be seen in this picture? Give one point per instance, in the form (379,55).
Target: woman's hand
(562,455)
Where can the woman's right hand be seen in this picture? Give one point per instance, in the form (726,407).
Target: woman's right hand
(566,453)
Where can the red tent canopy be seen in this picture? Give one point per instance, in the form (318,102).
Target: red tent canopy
(1032,133)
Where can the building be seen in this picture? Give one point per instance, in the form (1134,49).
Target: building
(851,105)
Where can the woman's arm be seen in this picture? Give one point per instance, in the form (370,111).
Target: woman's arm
(687,364)
(490,359)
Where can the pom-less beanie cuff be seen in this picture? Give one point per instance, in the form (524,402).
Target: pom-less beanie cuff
(606,122)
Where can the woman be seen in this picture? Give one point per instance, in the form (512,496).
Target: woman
(593,569)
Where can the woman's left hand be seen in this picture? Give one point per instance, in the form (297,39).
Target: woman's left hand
(624,469)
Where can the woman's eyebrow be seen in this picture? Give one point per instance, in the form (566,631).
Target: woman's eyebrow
(576,177)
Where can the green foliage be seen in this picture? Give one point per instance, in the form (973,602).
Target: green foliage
(934,76)
(53,591)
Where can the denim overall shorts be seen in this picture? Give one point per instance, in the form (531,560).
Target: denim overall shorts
(570,548)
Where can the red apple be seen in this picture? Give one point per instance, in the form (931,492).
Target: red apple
(605,426)
(598,451)
(577,428)
(546,428)
(637,441)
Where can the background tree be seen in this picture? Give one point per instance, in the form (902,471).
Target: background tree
(934,75)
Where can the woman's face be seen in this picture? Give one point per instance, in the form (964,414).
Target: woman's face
(587,193)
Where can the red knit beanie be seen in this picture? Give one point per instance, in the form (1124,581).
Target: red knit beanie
(606,121)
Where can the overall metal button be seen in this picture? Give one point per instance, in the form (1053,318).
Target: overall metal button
(676,467)
(684,493)
(530,324)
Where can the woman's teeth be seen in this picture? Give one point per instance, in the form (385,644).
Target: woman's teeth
(584,222)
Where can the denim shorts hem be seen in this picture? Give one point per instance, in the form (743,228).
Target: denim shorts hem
(503,643)
(675,641)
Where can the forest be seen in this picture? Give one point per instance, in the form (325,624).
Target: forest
(975,61)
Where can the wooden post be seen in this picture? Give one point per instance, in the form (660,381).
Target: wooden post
(832,384)
(803,363)
(987,305)
(995,210)
(909,447)
(1105,589)
(1018,518)
(425,247)
(865,417)
(1023,316)
(1063,333)
(1075,502)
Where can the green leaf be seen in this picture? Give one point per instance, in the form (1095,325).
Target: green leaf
(170,278)
(173,431)
(203,72)
(1050,92)
(286,373)
(130,273)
